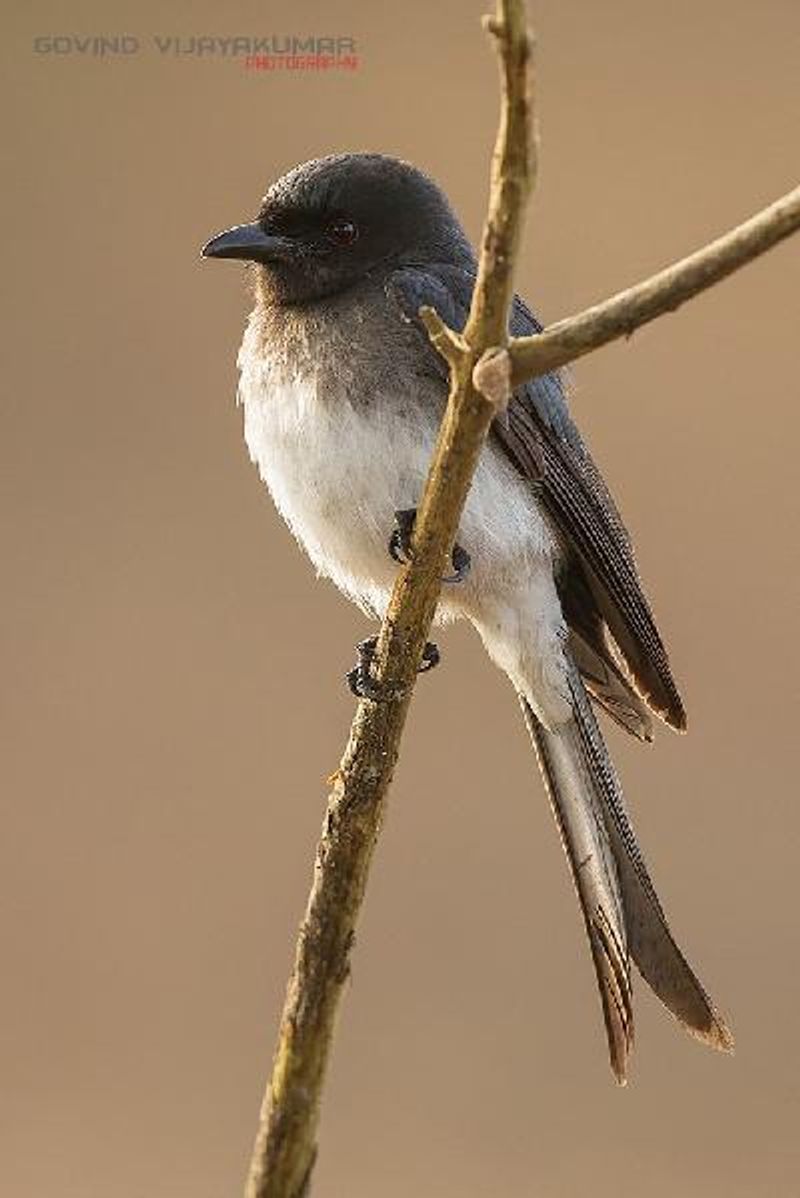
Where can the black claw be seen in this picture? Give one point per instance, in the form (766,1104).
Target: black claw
(430,658)
(360,679)
(401,551)
(462,564)
(400,540)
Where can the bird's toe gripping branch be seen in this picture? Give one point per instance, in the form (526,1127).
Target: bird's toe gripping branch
(401,549)
(360,679)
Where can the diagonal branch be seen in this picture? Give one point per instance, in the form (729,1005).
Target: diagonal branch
(285,1146)
(625,312)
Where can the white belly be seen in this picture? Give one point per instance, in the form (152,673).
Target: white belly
(338,471)
(334,478)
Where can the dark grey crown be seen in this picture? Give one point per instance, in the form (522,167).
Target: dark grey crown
(335,220)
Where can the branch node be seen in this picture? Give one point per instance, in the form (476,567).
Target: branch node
(451,345)
(491,376)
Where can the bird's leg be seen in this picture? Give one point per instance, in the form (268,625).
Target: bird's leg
(360,679)
(400,548)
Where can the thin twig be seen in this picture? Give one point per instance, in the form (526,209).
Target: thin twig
(627,311)
(285,1147)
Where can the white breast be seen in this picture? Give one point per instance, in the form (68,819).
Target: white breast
(333,477)
(338,471)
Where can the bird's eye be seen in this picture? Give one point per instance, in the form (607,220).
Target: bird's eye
(343,232)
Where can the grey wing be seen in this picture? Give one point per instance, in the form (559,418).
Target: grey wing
(615,641)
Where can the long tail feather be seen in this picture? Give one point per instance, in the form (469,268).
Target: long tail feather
(620,907)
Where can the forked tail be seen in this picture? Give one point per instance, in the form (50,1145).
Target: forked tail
(620,907)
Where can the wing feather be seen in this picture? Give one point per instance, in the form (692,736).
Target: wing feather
(604,603)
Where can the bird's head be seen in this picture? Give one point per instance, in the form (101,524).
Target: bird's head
(334,221)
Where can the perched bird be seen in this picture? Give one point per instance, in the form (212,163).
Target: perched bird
(342,395)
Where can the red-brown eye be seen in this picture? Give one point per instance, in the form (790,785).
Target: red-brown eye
(343,232)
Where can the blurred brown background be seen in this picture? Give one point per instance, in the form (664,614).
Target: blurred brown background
(172,696)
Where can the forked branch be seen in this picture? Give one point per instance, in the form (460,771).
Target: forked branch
(483,367)
(285,1146)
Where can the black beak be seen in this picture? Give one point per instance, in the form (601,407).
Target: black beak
(250,243)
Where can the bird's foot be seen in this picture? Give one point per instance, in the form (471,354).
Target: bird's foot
(400,548)
(462,564)
(360,679)
(430,658)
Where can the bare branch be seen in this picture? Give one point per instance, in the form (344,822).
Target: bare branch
(451,345)
(285,1147)
(625,312)
(513,175)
